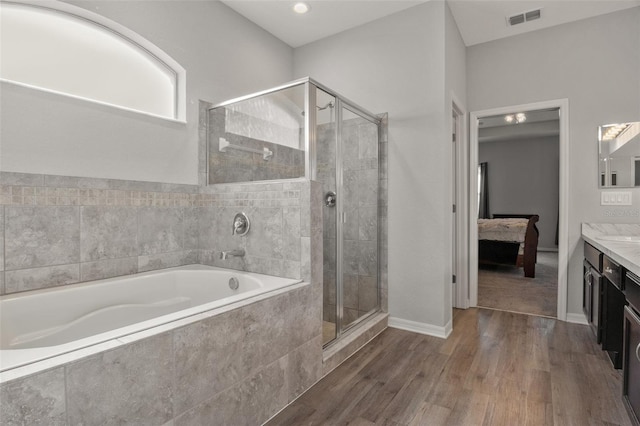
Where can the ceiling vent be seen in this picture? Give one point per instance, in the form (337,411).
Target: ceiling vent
(523,17)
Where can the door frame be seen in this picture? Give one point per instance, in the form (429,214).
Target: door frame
(460,293)
(563,231)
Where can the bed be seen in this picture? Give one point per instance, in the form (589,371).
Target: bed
(509,239)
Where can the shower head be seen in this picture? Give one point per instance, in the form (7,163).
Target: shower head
(321,108)
(328,105)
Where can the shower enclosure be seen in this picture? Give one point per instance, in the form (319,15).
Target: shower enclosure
(305,130)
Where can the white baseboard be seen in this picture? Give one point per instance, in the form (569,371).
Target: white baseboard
(421,327)
(577,318)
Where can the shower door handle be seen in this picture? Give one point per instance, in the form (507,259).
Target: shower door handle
(330,199)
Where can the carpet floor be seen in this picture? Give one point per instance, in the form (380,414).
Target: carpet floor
(505,288)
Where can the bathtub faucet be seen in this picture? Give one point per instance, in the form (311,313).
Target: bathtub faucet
(236,253)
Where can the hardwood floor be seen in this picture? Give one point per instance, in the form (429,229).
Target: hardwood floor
(507,289)
(496,368)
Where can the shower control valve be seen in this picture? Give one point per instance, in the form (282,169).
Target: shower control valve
(241,224)
(330,199)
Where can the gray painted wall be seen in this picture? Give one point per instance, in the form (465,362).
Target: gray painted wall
(47,133)
(523,178)
(563,62)
(397,65)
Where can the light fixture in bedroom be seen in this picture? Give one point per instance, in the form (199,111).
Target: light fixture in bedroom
(515,118)
(301,8)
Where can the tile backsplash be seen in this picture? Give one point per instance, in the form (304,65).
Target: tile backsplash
(62,230)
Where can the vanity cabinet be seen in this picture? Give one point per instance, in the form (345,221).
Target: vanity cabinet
(592,289)
(612,264)
(603,301)
(631,351)
(612,310)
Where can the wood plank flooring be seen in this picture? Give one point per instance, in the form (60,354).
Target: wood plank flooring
(496,368)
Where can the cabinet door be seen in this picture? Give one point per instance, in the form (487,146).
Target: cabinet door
(613,302)
(587,292)
(631,364)
(596,301)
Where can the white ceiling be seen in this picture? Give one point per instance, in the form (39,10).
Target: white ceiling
(326,17)
(479,21)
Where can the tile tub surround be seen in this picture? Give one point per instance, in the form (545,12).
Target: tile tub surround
(280,231)
(238,367)
(626,254)
(92,229)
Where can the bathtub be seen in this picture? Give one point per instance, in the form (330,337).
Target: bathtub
(41,324)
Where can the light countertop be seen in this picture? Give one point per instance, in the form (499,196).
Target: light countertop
(626,254)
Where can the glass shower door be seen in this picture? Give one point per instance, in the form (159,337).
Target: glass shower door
(347,167)
(357,174)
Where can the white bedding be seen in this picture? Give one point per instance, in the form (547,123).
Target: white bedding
(511,230)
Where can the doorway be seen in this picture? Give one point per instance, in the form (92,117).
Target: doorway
(561,106)
(459,293)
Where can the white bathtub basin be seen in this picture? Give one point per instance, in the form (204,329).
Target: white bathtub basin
(41,324)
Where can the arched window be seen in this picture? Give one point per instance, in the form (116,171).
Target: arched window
(74,52)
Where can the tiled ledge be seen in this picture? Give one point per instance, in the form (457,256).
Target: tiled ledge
(55,196)
(48,190)
(350,343)
(32,179)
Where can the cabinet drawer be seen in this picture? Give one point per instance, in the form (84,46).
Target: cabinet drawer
(593,256)
(612,271)
(632,290)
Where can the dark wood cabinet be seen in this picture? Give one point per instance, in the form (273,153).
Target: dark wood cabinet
(612,310)
(611,303)
(603,301)
(592,289)
(631,351)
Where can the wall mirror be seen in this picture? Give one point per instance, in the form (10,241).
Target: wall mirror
(619,155)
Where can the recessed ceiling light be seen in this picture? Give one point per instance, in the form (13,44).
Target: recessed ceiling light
(301,8)
(517,118)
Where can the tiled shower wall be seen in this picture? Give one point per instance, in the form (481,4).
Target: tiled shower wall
(280,231)
(59,231)
(62,230)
